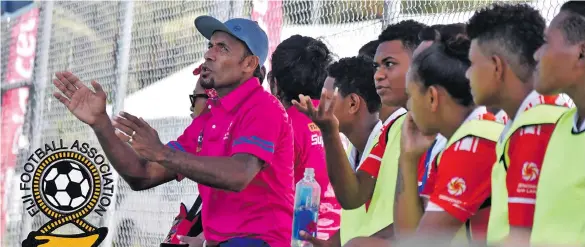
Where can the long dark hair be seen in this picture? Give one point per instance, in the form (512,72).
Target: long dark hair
(444,64)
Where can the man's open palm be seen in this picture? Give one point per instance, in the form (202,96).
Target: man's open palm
(85,104)
(321,115)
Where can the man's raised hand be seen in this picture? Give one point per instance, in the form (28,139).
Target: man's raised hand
(86,105)
(323,116)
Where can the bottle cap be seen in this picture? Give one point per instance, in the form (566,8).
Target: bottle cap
(309,172)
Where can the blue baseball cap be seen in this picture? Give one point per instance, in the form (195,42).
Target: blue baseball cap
(245,30)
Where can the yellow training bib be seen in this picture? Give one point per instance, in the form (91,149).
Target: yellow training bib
(559,218)
(358,222)
(498,226)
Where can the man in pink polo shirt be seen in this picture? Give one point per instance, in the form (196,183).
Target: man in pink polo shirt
(240,152)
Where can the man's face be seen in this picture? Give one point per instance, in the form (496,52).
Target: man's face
(225,63)
(419,104)
(482,76)
(198,105)
(392,61)
(559,63)
(342,106)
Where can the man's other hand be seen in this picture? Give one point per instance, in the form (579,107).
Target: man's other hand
(141,137)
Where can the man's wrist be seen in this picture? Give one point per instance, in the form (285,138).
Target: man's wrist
(162,154)
(408,162)
(102,122)
(329,132)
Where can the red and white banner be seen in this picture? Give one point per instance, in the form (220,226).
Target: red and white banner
(268,14)
(19,68)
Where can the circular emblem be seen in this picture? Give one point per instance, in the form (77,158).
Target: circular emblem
(456,186)
(529,171)
(66,187)
(237,28)
(66,184)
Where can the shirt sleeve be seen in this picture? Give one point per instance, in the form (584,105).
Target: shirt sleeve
(463,177)
(187,142)
(373,161)
(527,147)
(258,132)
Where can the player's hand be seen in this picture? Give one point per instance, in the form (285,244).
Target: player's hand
(413,143)
(138,133)
(86,105)
(323,115)
(313,240)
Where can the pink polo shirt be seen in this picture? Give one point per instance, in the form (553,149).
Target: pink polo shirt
(247,120)
(309,152)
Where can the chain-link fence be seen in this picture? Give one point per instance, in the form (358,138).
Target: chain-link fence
(143,54)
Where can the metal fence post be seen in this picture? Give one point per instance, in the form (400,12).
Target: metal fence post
(391,10)
(42,76)
(125,42)
(316,12)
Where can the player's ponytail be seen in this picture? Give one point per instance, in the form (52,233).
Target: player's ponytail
(457,47)
(444,64)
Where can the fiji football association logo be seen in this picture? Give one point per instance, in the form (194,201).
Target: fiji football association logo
(66,184)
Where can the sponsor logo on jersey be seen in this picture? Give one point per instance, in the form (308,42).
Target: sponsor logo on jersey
(456,186)
(313,127)
(529,171)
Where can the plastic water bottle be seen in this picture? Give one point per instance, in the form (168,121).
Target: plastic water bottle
(306,212)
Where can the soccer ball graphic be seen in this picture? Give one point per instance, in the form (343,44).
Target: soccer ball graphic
(66,185)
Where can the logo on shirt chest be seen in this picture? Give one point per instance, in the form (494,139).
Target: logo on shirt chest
(529,172)
(226,136)
(456,186)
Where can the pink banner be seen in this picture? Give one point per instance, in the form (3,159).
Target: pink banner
(268,14)
(19,68)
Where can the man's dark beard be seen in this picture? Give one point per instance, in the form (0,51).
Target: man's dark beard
(208,84)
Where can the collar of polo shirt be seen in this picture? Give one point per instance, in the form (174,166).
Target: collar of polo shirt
(236,97)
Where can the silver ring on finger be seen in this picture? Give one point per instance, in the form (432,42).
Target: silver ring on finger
(133,133)
(130,140)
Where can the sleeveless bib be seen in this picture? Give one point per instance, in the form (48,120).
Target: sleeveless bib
(351,220)
(358,222)
(498,226)
(485,129)
(559,218)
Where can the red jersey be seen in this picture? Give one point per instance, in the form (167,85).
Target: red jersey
(526,150)
(373,161)
(461,183)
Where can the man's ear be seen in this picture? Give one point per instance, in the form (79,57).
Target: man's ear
(251,63)
(355,102)
(434,97)
(498,67)
(581,61)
